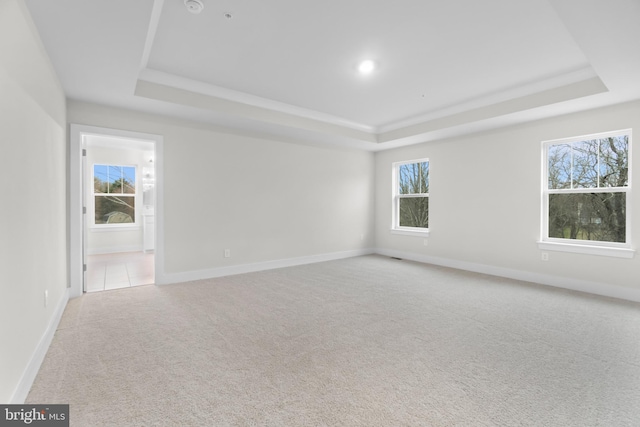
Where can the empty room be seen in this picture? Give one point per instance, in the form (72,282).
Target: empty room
(367,213)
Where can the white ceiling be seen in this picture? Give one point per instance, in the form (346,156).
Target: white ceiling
(287,69)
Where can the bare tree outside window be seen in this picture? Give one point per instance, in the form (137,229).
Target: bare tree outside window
(587,189)
(413,195)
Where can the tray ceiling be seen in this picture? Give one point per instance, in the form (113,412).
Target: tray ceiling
(289,70)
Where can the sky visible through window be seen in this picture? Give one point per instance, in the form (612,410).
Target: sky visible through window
(413,178)
(112,179)
(589,164)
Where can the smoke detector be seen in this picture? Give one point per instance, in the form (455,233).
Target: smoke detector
(194,6)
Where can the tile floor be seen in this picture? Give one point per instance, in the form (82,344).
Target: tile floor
(121,270)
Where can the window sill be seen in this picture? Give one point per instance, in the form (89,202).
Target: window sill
(108,228)
(409,232)
(587,249)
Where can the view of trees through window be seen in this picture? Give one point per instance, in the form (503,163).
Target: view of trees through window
(587,189)
(114,189)
(413,195)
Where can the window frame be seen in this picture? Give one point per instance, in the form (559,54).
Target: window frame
(594,247)
(396,196)
(135,195)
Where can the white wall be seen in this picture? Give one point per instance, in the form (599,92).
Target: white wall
(33,224)
(265,200)
(101,240)
(485,203)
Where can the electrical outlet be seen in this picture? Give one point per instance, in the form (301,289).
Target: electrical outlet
(544,256)
(227,253)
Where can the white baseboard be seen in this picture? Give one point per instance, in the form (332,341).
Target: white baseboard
(543,279)
(188,276)
(30,372)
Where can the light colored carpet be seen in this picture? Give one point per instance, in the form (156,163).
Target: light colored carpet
(367,341)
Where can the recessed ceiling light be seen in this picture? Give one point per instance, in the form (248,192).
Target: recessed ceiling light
(367,66)
(194,6)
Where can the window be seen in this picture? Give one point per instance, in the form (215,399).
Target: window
(114,191)
(586,194)
(411,197)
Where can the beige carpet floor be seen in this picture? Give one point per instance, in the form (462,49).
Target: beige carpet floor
(367,341)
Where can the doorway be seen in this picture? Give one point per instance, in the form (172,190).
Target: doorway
(115,209)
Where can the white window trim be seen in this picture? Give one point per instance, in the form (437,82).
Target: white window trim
(397,229)
(611,249)
(586,249)
(113,227)
(410,231)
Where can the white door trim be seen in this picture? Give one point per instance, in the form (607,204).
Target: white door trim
(76,226)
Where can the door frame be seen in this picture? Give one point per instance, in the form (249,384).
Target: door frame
(77,219)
